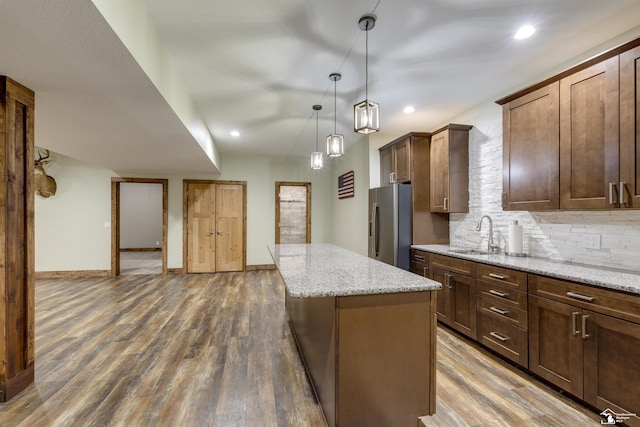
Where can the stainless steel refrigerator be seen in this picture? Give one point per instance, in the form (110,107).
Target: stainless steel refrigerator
(390,224)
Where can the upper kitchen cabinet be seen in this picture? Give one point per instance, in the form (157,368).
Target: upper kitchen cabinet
(589,137)
(395,161)
(531,146)
(449,169)
(629,184)
(587,117)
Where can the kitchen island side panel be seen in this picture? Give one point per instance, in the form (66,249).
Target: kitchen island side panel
(387,355)
(313,323)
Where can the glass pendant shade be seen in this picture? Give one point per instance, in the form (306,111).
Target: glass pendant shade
(366,117)
(335,145)
(316,160)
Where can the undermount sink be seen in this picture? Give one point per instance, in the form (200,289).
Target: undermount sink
(469,252)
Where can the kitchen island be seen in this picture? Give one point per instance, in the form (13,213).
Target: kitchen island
(365,331)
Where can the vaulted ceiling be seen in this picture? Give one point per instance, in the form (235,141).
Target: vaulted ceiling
(258,66)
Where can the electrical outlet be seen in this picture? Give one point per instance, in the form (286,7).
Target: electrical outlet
(592,241)
(157,243)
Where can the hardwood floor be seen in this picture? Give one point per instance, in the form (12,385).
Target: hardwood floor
(215,350)
(140,262)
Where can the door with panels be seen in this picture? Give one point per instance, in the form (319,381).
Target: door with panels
(215,226)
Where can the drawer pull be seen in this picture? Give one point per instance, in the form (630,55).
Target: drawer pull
(424,270)
(580,297)
(498,293)
(585,335)
(497,310)
(418,257)
(498,336)
(497,276)
(574,323)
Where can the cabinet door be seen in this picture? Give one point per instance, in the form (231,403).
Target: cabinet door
(386,166)
(589,137)
(402,161)
(630,128)
(555,343)
(463,304)
(531,146)
(612,365)
(443,296)
(439,166)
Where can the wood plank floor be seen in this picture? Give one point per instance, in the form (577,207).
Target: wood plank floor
(215,350)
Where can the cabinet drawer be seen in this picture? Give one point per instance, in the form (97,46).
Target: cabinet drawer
(420,268)
(502,276)
(504,338)
(609,302)
(506,312)
(419,256)
(504,294)
(456,265)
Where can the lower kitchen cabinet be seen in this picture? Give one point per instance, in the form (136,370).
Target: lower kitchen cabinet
(420,263)
(576,343)
(456,301)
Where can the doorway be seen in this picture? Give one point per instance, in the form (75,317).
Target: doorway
(116,229)
(293,212)
(214,235)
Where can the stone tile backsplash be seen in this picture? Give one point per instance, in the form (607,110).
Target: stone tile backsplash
(558,235)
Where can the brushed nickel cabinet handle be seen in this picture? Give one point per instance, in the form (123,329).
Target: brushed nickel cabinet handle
(497,310)
(392,177)
(418,257)
(498,293)
(611,201)
(574,323)
(504,200)
(498,336)
(424,270)
(447,280)
(585,335)
(497,276)
(580,297)
(621,201)
(445,202)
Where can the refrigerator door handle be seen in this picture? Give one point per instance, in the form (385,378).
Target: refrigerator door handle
(373,232)
(376,225)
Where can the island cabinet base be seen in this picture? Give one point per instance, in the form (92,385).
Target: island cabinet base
(371,358)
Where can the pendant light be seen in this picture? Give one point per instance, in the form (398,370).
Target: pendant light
(316,156)
(335,141)
(366,114)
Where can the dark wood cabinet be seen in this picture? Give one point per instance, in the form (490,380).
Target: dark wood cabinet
(420,263)
(456,302)
(502,311)
(449,169)
(531,146)
(589,137)
(629,185)
(395,162)
(585,341)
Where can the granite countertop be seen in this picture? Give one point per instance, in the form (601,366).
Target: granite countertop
(320,270)
(620,280)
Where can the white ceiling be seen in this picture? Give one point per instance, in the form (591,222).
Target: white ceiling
(259,65)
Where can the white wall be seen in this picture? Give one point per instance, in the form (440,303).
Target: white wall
(349,220)
(70,232)
(140,215)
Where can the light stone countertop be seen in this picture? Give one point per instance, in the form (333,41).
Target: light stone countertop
(321,270)
(620,280)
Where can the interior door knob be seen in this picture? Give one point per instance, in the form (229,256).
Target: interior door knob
(218,232)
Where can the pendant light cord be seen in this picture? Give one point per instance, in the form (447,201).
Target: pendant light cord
(316,130)
(335,108)
(366,66)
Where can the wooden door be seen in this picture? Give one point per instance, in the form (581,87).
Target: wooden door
(589,137)
(630,128)
(612,365)
(443,296)
(402,161)
(293,212)
(463,304)
(531,146)
(229,227)
(555,343)
(386,166)
(439,167)
(201,227)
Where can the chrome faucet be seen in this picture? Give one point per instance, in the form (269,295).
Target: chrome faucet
(491,246)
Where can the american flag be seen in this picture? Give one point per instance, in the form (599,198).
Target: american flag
(345,185)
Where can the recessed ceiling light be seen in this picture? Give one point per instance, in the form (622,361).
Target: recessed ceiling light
(235,133)
(409,109)
(524,32)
